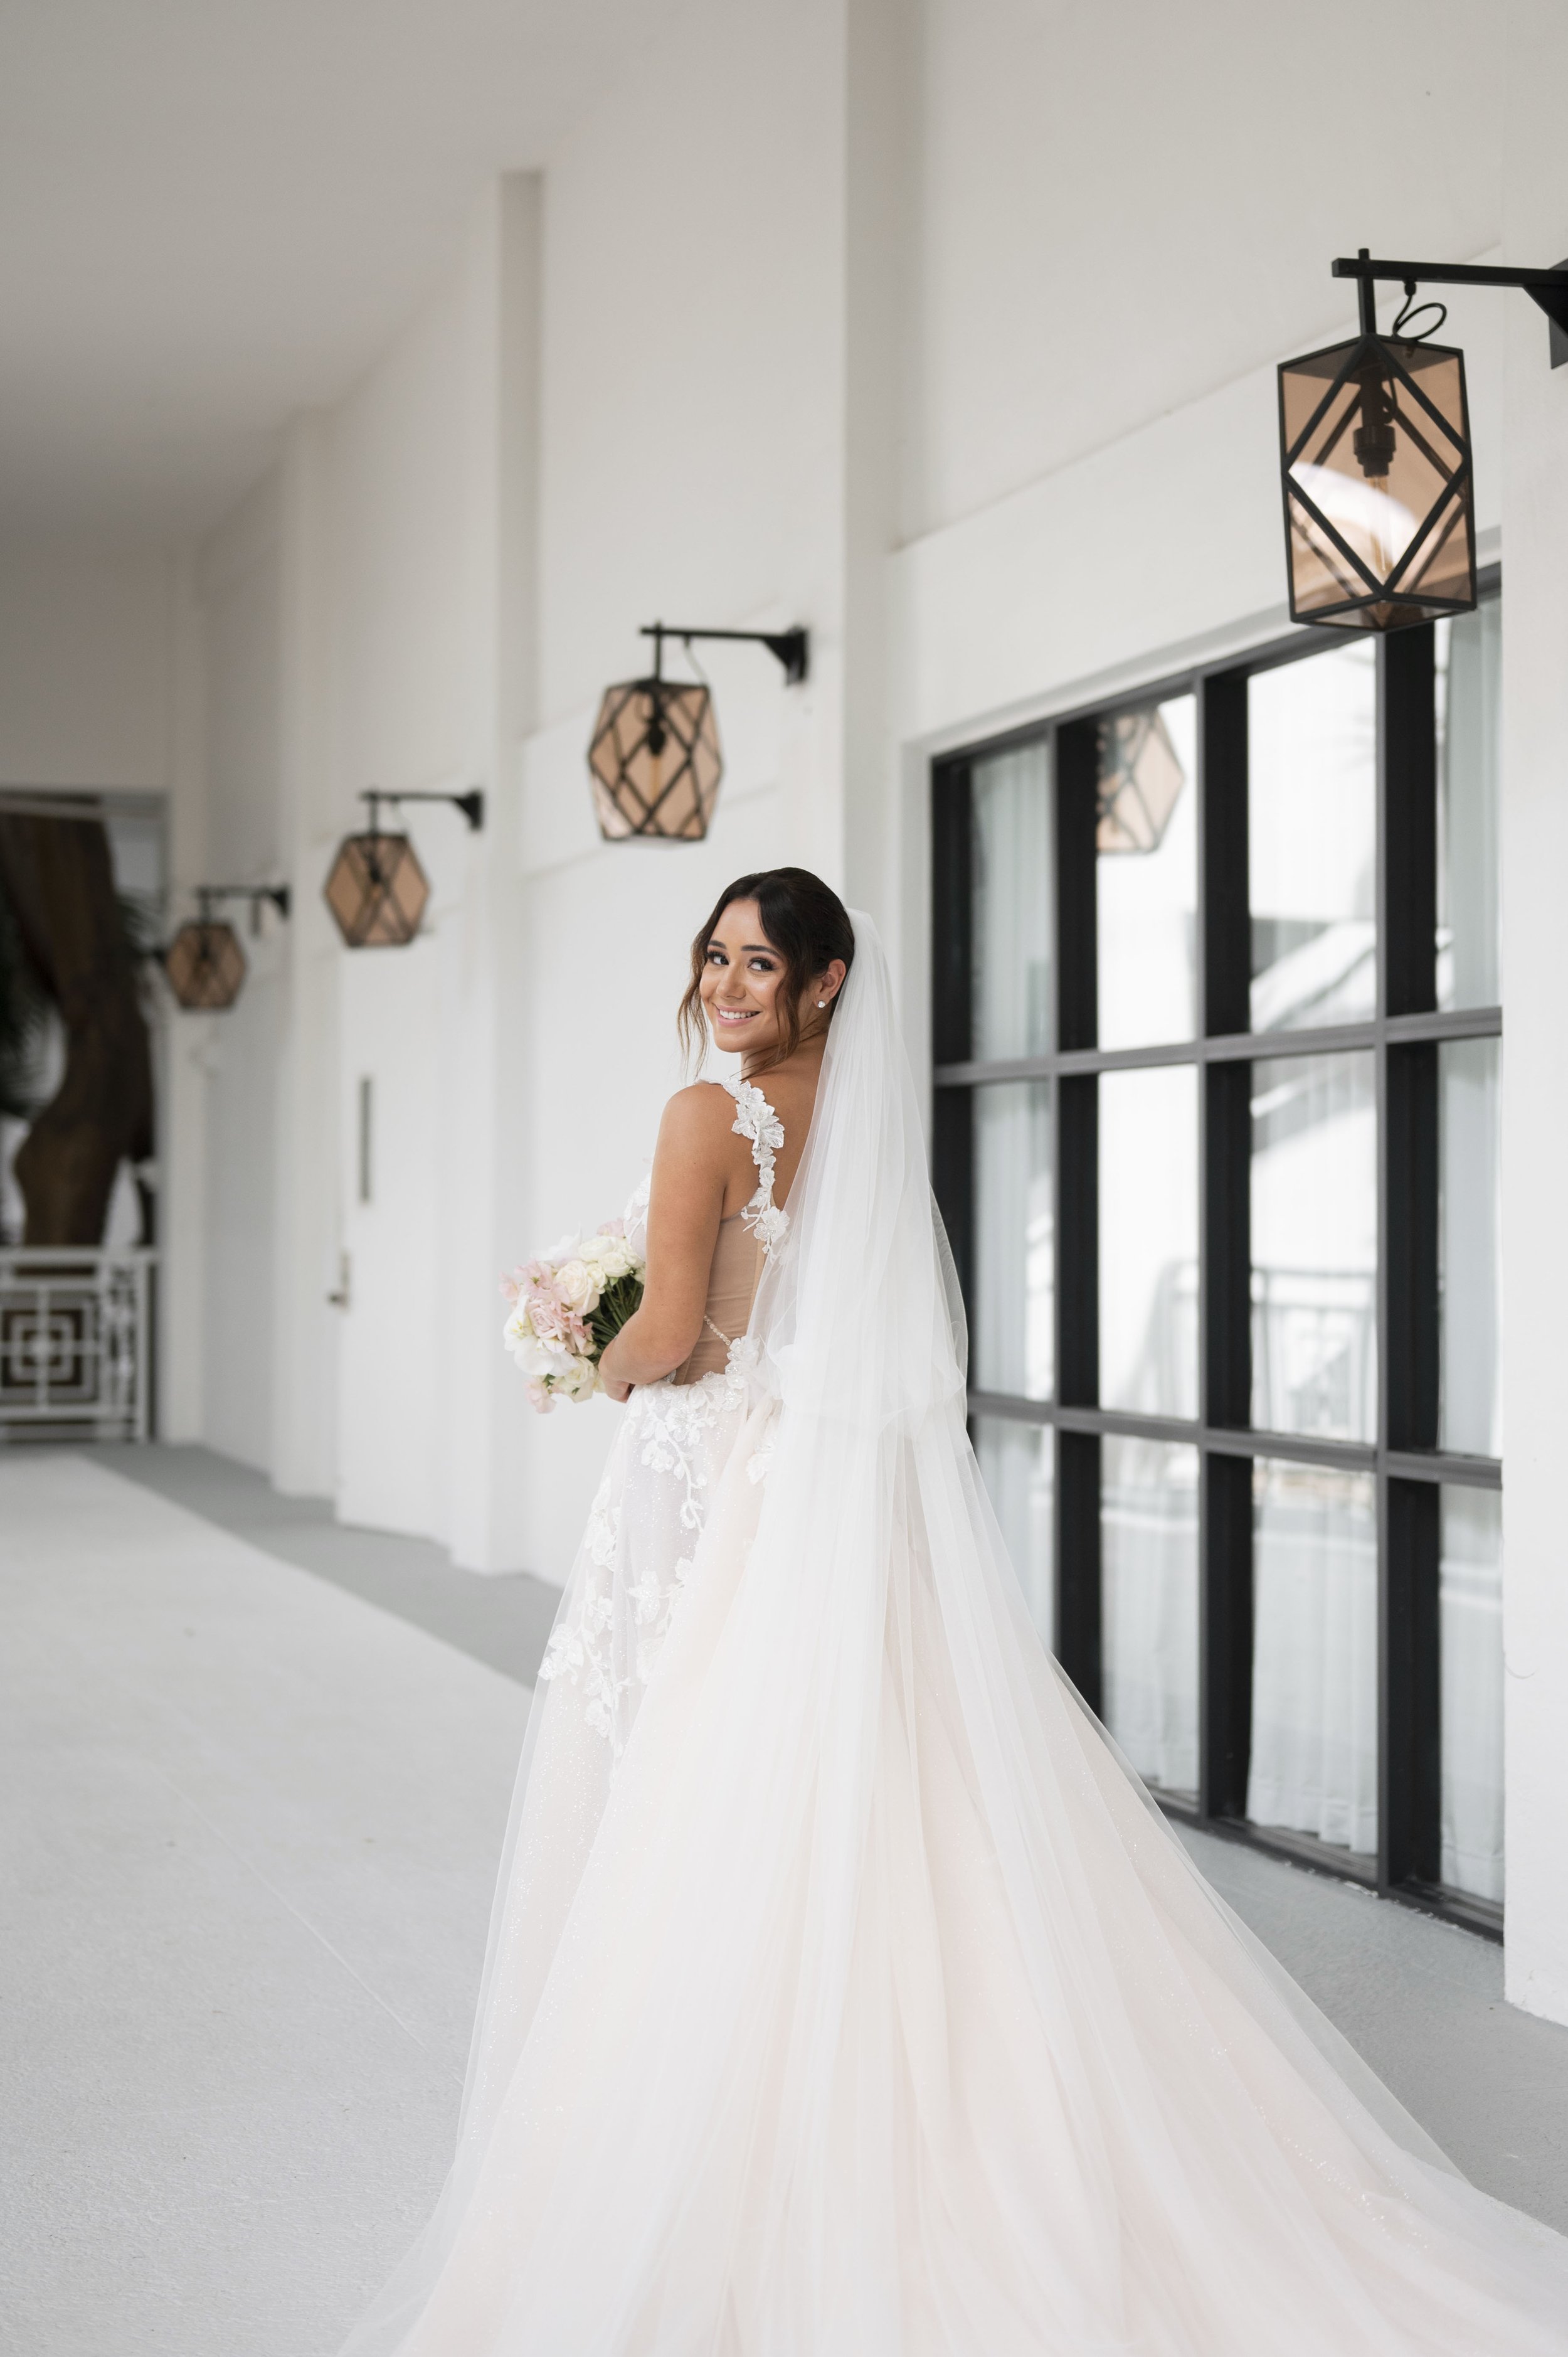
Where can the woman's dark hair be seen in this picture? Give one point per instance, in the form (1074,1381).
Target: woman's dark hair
(804,919)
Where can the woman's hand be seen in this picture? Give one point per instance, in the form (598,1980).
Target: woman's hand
(619,1392)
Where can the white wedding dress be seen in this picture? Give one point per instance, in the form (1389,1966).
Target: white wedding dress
(847,1996)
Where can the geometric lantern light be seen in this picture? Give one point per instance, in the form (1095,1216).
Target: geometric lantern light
(204,962)
(1375,459)
(1138,782)
(654,758)
(377,890)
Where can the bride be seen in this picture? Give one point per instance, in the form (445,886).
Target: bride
(847,1996)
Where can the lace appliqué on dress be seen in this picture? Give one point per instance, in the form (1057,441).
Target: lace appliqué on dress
(603,1660)
(755,1119)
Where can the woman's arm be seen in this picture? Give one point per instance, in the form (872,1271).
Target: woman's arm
(692,1164)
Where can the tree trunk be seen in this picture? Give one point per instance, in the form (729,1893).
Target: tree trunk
(59,880)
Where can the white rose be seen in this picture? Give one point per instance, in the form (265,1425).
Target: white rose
(581,1381)
(578,1285)
(615,1258)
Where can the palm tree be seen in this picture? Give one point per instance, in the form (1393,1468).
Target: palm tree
(65,940)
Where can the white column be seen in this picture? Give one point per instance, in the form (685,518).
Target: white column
(1535,1097)
(183,1050)
(485,1519)
(305,1253)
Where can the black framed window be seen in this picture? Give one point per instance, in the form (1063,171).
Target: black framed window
(1217,1058)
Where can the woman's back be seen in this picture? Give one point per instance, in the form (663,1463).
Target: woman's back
(773,1147)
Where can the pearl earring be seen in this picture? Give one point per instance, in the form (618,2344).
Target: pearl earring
(822,1002)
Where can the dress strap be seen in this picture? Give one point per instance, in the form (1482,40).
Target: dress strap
(756,1120)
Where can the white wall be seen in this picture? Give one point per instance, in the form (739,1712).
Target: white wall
(85,664)
(1123,209)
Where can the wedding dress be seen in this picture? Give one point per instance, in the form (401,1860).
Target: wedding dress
(846,1995)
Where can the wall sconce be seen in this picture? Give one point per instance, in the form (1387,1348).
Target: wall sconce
(376,889)
(204,962)
(1375,457)
(654,755)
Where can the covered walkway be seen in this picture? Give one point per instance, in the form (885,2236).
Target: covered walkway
(257,1769)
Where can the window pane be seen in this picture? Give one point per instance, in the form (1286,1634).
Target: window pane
(1314,1654)
(1314,1246)
(1468,1117)
(1148,1240)
(1010,805)
(1016,1464)
(1013,1255)
(1147,874)
(1149,1541)
(1470,1635)
(1311,839)
(1469,731)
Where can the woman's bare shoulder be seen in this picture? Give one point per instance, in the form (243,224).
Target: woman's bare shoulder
(698,1120)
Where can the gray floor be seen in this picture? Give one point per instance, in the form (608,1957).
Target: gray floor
(502,1620)
(256,1771)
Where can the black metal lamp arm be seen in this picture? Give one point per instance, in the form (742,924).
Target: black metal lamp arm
(1548,288)
(471,804)
(792,646)
(278,894)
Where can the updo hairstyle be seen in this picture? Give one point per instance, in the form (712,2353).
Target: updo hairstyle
(805,922)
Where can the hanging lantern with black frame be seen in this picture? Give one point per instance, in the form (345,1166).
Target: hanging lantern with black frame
(1376,464)
(654,755)
(204,963)
(376,887)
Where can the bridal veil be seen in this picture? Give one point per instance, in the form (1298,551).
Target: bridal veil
(861,2004)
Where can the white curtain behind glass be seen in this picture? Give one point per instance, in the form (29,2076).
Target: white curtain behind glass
(1470,1636)
(1314,1654)
(1149,1630)
(1013,1341)
(1011,850)
(1469,734)
(1469,1130)
(1314,1246)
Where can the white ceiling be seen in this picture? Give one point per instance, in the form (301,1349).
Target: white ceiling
(214,212)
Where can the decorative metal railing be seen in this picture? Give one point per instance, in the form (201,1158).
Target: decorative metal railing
(75,1343)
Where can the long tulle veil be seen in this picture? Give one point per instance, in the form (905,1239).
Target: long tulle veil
(887,2013)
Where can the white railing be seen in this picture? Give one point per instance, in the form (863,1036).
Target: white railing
(74,1343)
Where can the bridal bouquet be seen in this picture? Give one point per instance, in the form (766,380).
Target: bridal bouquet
(565,1307)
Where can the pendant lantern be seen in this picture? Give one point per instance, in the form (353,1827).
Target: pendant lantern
(377,889)
(653,758)
(204,962)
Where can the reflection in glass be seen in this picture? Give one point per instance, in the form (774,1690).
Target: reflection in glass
(1314,1246)
(1469,652)
(1311,839)
(1011,931)
(1468,1126)
(1016,1463)
(1149,1630)
(1314,1654)
(1148,1240)
(1014,1260)
(1147,874)
(1470,1639)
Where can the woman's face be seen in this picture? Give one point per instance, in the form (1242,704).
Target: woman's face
(742,978)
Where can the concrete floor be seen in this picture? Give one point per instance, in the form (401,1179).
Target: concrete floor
(250,1817)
